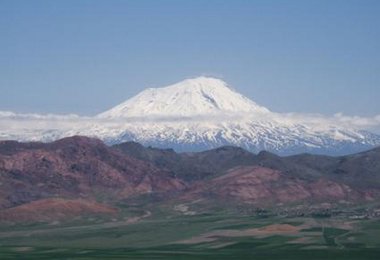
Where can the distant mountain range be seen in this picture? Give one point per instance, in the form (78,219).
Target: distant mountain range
(194,115)
(80,175)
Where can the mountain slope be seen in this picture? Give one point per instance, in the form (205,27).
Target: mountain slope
(190,166)
(361,170)
(264,186)
(75,167)
(45,181)
(204,113)
(191,97)
(231,173)
(194,115)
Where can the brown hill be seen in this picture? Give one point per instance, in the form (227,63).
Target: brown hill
(75,167)
(32,174)
(263,186)
(360,170)
(54,209)
(231,172)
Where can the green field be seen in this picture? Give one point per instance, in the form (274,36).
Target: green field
(171,232)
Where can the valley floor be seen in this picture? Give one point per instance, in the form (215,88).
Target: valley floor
(183,232)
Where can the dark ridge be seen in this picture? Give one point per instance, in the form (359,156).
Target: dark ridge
(190,166)
(361,169)
(86,168)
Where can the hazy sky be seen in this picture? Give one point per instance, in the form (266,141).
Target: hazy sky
(291,56)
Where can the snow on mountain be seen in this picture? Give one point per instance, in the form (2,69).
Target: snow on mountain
(203,113)
(198,114)
(191,97)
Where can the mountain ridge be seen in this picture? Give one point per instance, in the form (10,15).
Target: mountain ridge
(198,114)
(86,169)
(351,169)
(180,117)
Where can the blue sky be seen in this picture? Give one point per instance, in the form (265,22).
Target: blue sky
(83,57)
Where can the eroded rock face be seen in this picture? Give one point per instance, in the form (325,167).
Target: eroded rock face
(81,167)
(286,179)
(259,185)
(75,167)
(190,166)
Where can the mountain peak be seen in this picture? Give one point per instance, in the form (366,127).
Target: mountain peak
(202,81)
(201,96)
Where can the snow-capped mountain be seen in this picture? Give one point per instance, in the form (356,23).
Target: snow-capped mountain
(197,114)
(192,97)
(203,113)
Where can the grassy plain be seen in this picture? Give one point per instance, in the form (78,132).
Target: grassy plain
(182,232)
